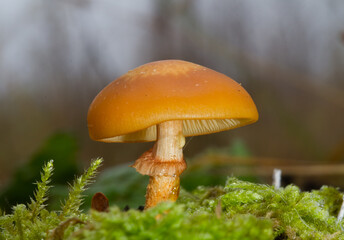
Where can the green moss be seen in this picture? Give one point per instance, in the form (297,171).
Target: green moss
(35,221)
(238,210)
(330,198)
(296,214)
(173,221)
(40,196)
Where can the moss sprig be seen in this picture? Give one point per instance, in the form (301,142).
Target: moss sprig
(40,195)
(75,198)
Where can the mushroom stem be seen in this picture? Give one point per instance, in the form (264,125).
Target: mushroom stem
(170,141)
(162,189)
(163,163)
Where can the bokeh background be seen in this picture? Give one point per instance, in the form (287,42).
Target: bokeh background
(55,56)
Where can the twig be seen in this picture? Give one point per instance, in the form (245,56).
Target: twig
(341,212)
(276,178)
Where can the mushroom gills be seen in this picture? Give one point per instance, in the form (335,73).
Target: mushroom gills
(191,127)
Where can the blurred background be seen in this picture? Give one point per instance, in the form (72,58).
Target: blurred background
(55,56)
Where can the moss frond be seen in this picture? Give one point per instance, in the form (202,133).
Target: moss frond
(19,214)
(75,198)
(40,195)
(331,199)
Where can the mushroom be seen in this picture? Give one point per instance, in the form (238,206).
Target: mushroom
(166,101)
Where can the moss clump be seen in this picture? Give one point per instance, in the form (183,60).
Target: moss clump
(294,214)
(173,221)
(36,222)
(239,210)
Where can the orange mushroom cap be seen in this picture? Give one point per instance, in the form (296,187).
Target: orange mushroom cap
(129,108)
